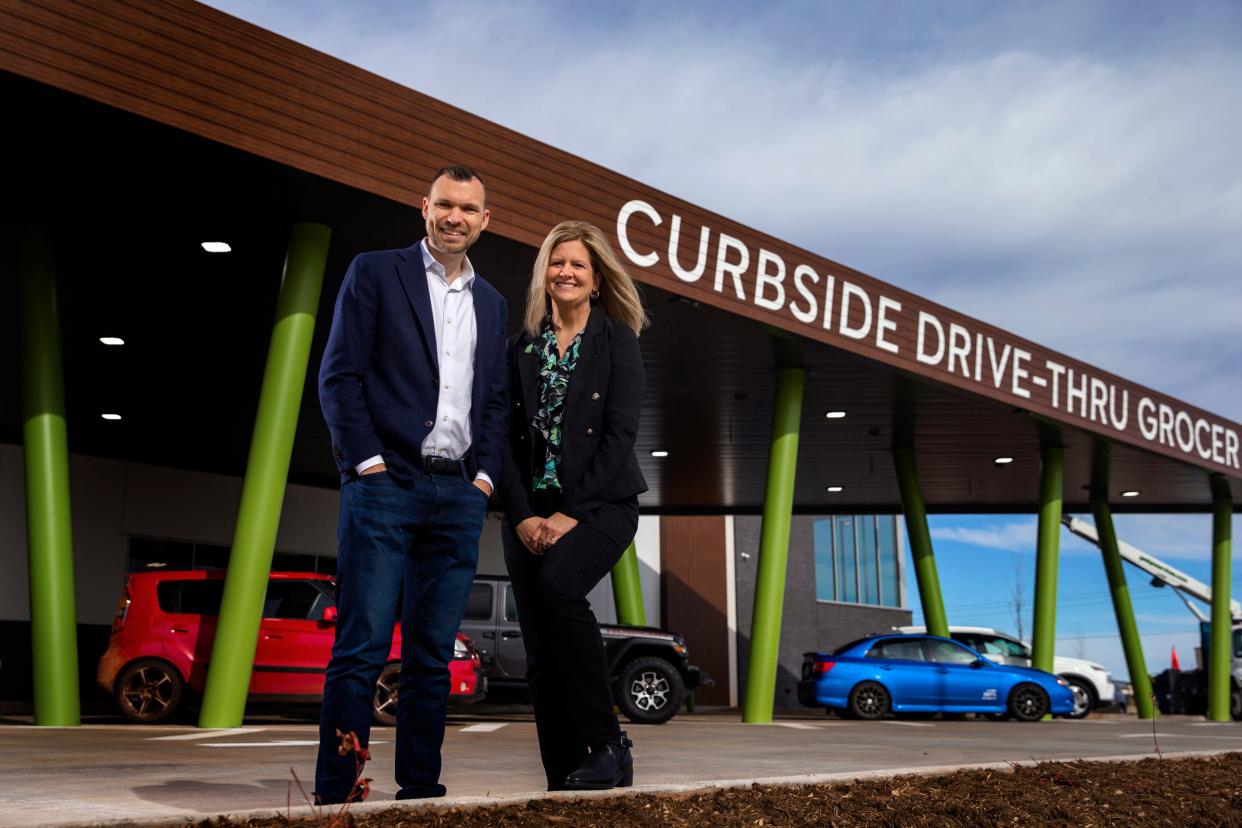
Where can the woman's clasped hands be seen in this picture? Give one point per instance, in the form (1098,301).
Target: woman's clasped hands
(538,534)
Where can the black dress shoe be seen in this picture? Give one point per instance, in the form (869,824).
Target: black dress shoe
(421,791)
(610,765)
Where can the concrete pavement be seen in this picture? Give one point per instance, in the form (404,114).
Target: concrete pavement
(108,773)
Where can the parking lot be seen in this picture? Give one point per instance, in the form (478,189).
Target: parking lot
(112,772)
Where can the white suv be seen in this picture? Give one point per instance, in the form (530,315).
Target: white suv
(1092,683)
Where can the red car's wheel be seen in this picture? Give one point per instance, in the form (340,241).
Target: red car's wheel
(384,706)
(149,691)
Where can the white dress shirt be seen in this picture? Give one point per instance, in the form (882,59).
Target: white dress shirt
(452,312)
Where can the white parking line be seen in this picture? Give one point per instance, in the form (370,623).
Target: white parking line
(909,724)
(272,743)
(205,734)
(483,728)
(1212,724)
(794,725)
(1163,736)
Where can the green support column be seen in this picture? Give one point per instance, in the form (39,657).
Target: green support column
(765,629)
(1047,552)
(1219,648)
(45,445)
(627,589)
(263,492)
(920,541)
(1124,610)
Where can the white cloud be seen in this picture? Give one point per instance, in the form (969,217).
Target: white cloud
(1005,535)
(1078,192)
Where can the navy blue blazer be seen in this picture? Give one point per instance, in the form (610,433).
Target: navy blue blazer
(602,409)
(379,381)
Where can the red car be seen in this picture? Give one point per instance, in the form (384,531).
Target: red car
(165,622)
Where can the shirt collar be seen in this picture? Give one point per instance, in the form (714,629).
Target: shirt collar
(434,268)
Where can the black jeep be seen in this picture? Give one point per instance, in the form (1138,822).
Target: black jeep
(650,672)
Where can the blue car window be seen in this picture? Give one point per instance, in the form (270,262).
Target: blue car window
(947,652)
(897,648)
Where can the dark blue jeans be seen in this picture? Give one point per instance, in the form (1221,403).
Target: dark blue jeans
(415,542)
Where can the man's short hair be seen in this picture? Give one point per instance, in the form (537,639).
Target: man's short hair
(457,172)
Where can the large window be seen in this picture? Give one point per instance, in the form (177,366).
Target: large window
(856,560)
(147,554)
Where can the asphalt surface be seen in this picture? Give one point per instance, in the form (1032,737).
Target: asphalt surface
(101,773)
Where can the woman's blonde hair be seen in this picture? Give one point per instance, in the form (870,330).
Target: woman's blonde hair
(618,295)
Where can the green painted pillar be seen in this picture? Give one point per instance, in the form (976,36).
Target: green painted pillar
(765,628)
(45,444)
(1124,610)
(1219,666)
(627,589)
(1047,553)
(920,541)
(263,492)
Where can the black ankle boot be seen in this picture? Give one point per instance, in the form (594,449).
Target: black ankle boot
(610,765)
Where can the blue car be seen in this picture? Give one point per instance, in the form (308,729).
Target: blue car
(871,677)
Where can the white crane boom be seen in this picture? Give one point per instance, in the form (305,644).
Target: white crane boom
(1182,583)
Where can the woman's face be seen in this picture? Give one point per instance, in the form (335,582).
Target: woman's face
(570,279)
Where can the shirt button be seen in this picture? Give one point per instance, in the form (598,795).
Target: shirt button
(445,419)
(595,396)
(590,431)
(428,424)
(446,386)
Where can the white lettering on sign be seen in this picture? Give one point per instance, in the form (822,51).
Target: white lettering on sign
(869,316)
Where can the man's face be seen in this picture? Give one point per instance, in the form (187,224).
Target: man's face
(454,214)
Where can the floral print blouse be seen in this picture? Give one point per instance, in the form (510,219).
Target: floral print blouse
(554,373)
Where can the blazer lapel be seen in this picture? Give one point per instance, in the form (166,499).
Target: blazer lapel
(528,374)
(592,342)
(413,277)
(484,330)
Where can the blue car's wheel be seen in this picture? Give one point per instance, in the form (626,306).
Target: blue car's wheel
(869,701)
(1028,703)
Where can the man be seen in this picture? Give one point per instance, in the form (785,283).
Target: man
(413,390)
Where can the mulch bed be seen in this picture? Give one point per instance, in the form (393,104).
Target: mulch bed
(1174,792)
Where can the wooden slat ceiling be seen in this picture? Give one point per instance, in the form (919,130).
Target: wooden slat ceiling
(128,109)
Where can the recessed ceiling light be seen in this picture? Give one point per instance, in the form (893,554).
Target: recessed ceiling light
(834,415)
(156,565)
(659,454)
(835,489)
(111,416)
(1131,493)
(111,340)
(217,247)
(1003,461)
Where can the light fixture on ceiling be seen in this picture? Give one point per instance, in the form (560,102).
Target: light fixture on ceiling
(1131,493)
(835,489)
(217,247)
(111,416)
(659,454)
(1003,461)
(834,415)
(111,340)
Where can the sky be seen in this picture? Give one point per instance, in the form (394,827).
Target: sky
(1068,171)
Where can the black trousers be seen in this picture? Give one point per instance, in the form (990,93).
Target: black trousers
(566,666)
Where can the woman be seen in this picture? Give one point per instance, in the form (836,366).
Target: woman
(570,491)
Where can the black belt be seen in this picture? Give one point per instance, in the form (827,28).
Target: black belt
(442,465)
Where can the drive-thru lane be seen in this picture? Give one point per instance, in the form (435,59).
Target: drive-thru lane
(105,773)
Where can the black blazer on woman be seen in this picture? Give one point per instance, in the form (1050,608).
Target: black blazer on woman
(602,407)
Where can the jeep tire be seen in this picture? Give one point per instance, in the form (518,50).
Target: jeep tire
(649,690)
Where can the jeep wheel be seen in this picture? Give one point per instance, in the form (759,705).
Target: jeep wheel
(149,691)
(1235,703)
(649,690)
(384,705)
